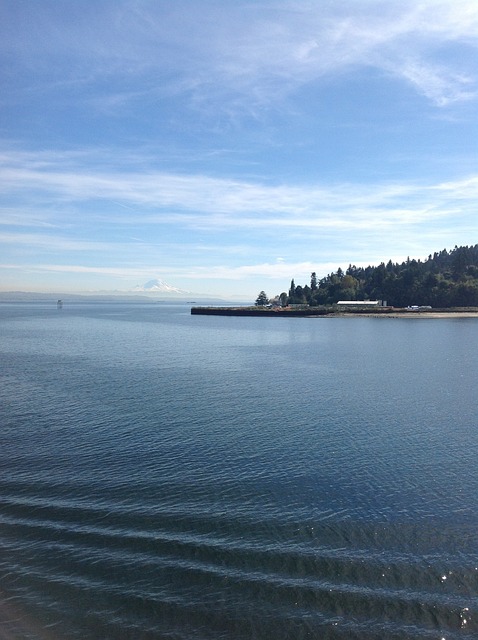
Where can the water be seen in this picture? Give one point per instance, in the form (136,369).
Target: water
(168,476)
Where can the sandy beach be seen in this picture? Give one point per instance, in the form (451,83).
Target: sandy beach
(412,314)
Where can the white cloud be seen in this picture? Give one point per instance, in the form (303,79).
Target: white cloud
(272,271)
(185,76)
(275,270)
(200,201)
(245,55)
(438,83)
(130,226)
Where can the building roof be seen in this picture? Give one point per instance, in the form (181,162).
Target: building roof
(361,303)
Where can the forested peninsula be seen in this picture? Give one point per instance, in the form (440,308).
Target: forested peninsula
(444,284)
(445,279)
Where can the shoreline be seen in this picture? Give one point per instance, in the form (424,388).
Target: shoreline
(414,314)
(334,313)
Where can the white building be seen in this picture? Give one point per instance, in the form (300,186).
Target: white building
(362,303)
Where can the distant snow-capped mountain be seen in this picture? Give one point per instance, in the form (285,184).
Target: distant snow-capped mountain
(157,286)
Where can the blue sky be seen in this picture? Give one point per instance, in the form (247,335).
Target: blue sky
(229,147)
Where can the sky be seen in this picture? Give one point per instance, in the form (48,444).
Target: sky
(228,147)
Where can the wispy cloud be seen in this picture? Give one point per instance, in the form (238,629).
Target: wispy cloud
(129,225)
(201,140)
(248,55)
(55,243)
(274,271)
(204,201)
(302,45)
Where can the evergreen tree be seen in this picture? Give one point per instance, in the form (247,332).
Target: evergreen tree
(313,281)
(444,279)
(262,299)
(292,288)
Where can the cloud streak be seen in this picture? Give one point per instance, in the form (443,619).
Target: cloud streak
(251,55)
(192,228)
(202,140)
(274,271)
(201,200)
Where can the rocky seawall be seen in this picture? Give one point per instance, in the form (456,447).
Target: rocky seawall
(314,312)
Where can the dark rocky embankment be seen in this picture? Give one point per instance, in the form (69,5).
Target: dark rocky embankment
(331,311)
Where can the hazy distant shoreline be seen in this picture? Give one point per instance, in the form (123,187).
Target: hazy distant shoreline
(45,298)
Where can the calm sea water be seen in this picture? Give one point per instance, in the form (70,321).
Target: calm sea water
(168,476)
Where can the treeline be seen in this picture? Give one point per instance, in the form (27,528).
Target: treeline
(445,279)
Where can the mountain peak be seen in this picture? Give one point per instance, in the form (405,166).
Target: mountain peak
(157,286)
